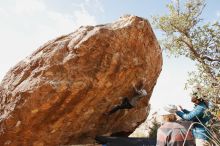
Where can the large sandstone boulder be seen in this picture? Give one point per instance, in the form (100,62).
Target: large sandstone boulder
(61,93)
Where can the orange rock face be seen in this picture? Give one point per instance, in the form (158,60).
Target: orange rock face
(59,95)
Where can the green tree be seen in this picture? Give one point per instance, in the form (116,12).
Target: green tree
(187,34)
(153,129)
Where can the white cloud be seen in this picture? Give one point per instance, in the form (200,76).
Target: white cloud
(94,5)
(83,16)
(27,24)
(218,14)
(27,7)
(3,13)
(97,6)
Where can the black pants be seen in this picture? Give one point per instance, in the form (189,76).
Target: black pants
(124,105)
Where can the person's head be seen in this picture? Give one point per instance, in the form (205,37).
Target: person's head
(195,98)
(167,113)
(169,118)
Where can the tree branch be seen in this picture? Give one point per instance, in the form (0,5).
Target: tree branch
(210,59)
(198,58)
(179,30)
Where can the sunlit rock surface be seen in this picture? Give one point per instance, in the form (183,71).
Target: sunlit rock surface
(61,93)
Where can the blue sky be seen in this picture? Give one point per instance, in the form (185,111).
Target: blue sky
(27,24)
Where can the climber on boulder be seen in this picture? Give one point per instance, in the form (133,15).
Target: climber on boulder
(129,103)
